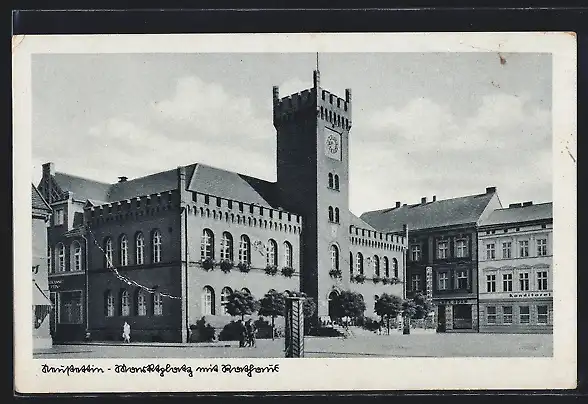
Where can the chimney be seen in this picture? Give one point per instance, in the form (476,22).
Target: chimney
(434,198)
(397,204)
(122,179)
(424,199)
(48,169)
(529,203)
(348,94)
(404,204)
(514,205)
(490,190)
(276,93)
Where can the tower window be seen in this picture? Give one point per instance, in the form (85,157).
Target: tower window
(322,112)
(323,95)
(330,180)
(331,215)
(336,215)
(336,182)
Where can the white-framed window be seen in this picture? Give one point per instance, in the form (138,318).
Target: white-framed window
(542,314)
(49,261)
(442,248)
(225,293)
(108,253)
(416,282)
(524,281)
(507,314)
(141,303)
(506,249)
(208,301)
(443,281)
(523,248)
(507,282)
(415,252)
(60,255)
(491,314)
(76,259)
(110,305)
(542,280)
(461,280)
(461,248)
(207,244)
(359,263)
(156,246)
(376,264)
(524,315)
(125,303)
(226,247)
(491,283)
(124,250)
(542,247)
(70,307)
(245,249)
(490,251)
(288,254)
(139,249)
(59,217)
(271,254)
(386,267)
(157,304)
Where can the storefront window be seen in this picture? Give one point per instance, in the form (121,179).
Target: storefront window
(542,314)
(70,307)
(524,315)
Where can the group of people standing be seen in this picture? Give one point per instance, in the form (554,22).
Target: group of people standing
(247,333)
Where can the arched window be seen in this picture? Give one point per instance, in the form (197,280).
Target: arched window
(124,250)
(125,303)
(76,256)
(395,267)
(287,254)
(207,245)
(108,253)
(359,263)
(331,216)
(351,263)
(336,182)
(60,255)
(245,249)
(336,215)
(334,257)
(156,246)
(225,293)
(208,301)
(226,252)
(139,249)
(376,265)
(157,304)
(109,304)
(49,261)
(141,303)
(386,267)
(272,252)
(330,180)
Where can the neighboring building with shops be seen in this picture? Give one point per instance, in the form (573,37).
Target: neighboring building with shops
(164,231)
(442,236)
(516,269)
(41,213)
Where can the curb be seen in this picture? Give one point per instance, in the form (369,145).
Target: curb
(153,344)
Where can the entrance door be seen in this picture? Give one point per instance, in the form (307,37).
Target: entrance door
(332,309)
(441,319)
(462,316)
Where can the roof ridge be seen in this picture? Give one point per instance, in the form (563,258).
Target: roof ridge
(83,178)
(386,210)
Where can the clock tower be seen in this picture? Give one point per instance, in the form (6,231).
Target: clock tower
(313,180)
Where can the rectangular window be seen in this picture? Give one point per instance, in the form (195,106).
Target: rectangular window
(59,217)
(70,310)
(542,247)
(507,282)
(461,248)
(490,251)
(542,314)
(442,249)
(524,316)
(524,281)
(506,249)
(415,253)
(507,314)
(490,283)
(443,281)
(461,281)
(416,282)
(524,248)
(491,318)
(542,280)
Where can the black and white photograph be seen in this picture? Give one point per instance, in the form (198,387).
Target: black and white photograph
(398,201)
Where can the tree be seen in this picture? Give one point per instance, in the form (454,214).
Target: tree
(272,304)
(388,306)
(408,311)
(348,304)
(423,306)
(241,304)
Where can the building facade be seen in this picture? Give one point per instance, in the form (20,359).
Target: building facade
(516,269)
(443,252)
(165,250)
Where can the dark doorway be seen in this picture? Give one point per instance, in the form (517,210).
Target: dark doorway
(441,319)
(332,308)
(462,316)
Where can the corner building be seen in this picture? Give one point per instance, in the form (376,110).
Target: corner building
(175,231)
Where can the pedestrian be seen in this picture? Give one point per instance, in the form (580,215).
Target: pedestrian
(241,330)
(126,332)
(250,327)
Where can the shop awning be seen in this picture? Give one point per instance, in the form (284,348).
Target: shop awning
(39,297)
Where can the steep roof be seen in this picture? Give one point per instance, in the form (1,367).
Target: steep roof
(357,222)
(440,213)
(519,214)
(82,188)
(148,185)
(38,202)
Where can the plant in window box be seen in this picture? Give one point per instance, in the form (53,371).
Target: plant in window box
(359,278)
(395,281)
(386,281)
(226,266)
(288,272)
(244,266)
(271,270)
(376,279)
(208,264)
(335,273)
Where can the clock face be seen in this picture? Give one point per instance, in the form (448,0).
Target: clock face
(333,145)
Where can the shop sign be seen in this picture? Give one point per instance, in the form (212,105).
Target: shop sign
(530,294)
(55,284)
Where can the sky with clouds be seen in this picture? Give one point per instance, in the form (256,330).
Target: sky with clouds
(444,124)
